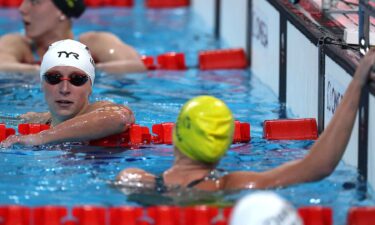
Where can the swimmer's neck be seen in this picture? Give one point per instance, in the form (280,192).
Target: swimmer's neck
(184,165)
(55,120)
(184,171)
(42,43)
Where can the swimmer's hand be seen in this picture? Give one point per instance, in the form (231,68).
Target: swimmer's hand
(27,140)
(363,72)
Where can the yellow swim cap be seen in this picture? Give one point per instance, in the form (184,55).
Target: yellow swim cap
(204,129)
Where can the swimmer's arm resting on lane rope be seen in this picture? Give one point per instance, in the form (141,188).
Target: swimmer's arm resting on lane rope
(36,117)
(111,54)
(100,121)
(326,152)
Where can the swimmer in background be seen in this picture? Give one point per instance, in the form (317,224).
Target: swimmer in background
(67,74)
(48,21)
(204,132)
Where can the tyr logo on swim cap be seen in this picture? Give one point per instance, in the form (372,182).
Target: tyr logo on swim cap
(71,8)
(68,53)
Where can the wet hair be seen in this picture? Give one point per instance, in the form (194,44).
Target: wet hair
(71,8)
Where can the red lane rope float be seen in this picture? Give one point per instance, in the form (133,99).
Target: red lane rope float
(171,61)
(122,3)
(5,132)
(206,215)
(290,129)
(120,215)
(163,133)
(164,214)
(361,216)
(10,3)
(241,132)
(31,128)
(93,3)
(125,215)
(208,60)
(222,59)
(15,215)
(167,3)
(49,215)
(90,215)
(316,215)
(136,135)
(148,61)
(119,3)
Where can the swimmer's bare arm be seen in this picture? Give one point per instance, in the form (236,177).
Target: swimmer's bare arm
(111,54)
(13,48)
(35,117)
(326,151)
(135,177)
(97,123)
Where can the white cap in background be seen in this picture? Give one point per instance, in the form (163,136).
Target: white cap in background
(264,208)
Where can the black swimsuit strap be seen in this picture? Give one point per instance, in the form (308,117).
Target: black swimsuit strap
(196,182)
(49,121)
(214,174)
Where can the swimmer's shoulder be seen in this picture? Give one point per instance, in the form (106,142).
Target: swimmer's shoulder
(106,105)
(105,46)
(99,104)
(93,38)
(17,45)
(13,38)
(99,40)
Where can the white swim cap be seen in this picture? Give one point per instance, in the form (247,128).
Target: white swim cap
(264,208)
(68,53)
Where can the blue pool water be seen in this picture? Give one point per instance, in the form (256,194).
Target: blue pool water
(74,175)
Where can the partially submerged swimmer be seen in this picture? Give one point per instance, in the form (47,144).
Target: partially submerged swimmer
(48,21)
(204,131)
(67,74)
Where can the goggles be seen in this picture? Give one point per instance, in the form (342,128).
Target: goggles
(74,78)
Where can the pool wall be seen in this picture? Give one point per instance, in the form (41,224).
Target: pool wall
(282,43)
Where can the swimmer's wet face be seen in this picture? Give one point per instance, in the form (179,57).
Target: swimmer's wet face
(66,100)
(39,17)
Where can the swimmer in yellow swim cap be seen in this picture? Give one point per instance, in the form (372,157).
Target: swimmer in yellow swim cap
(204,130)
(202,135)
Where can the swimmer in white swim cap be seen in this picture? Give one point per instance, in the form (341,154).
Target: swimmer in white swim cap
(68,53)
(264,208)
(67,74)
